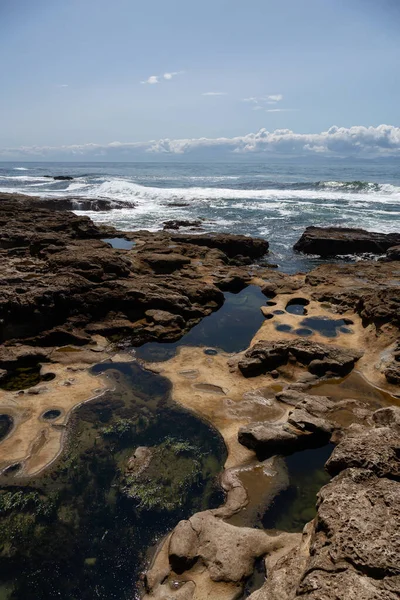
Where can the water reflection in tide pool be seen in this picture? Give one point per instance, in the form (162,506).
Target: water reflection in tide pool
(119,243)
(295,506)
(75,534)
(231,328)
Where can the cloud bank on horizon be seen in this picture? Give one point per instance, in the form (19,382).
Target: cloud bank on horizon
(383,140)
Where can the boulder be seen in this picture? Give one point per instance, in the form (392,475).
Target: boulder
(268,439)
(393,253)
(357,524)
(178,223)
(232,245)
(333,241)
(377,450)
(165,263)
(265,356)
(228,552)
(59,177)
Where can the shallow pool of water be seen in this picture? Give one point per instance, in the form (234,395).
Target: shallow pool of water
(76,533)
(294,506)
(6,423)
(325,326)
(119,243)
(231,328)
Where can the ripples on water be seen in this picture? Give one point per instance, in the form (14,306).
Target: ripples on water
(273,200)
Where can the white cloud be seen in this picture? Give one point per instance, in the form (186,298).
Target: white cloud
(214,94)
(383,140)
(152,79)
(262,100)
(63,85)
(282,109)
(169,76)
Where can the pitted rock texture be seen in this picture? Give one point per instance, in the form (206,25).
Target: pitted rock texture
(266,356)
(358,524)
(370,289)
(377,450)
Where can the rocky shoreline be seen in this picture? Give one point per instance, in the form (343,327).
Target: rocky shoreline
(70,300)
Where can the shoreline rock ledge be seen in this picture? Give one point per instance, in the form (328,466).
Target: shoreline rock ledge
(334,241)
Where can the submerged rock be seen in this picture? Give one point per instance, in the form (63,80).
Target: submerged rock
(333,241)
(160,478)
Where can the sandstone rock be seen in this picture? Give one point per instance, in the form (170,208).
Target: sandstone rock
(266,356)
(228,552)
(346,585)
(358,515)
(377,450)
(369,288)
(332,241)
(388,416)
(305,421)
(268,439)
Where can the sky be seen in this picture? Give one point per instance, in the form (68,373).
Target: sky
(117,79)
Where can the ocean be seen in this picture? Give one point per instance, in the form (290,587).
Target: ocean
(273,200)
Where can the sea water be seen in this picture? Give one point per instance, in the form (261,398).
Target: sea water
(273,199)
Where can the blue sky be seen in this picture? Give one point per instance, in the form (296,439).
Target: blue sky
(72,72)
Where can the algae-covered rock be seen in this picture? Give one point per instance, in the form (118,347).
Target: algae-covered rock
(160,478)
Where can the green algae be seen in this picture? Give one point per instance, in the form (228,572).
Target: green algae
(78,509)
(21,378)
(175,467)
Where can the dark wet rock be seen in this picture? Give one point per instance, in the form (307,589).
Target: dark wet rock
(76,203)
(57,272)
(165,263)
(93,264)
(59,177)
(163,317)
(333,241)
(232,245)
(234,282)
(178,223)
(393,253)
(265,356)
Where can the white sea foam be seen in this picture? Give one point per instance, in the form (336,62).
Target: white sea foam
(20,169)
